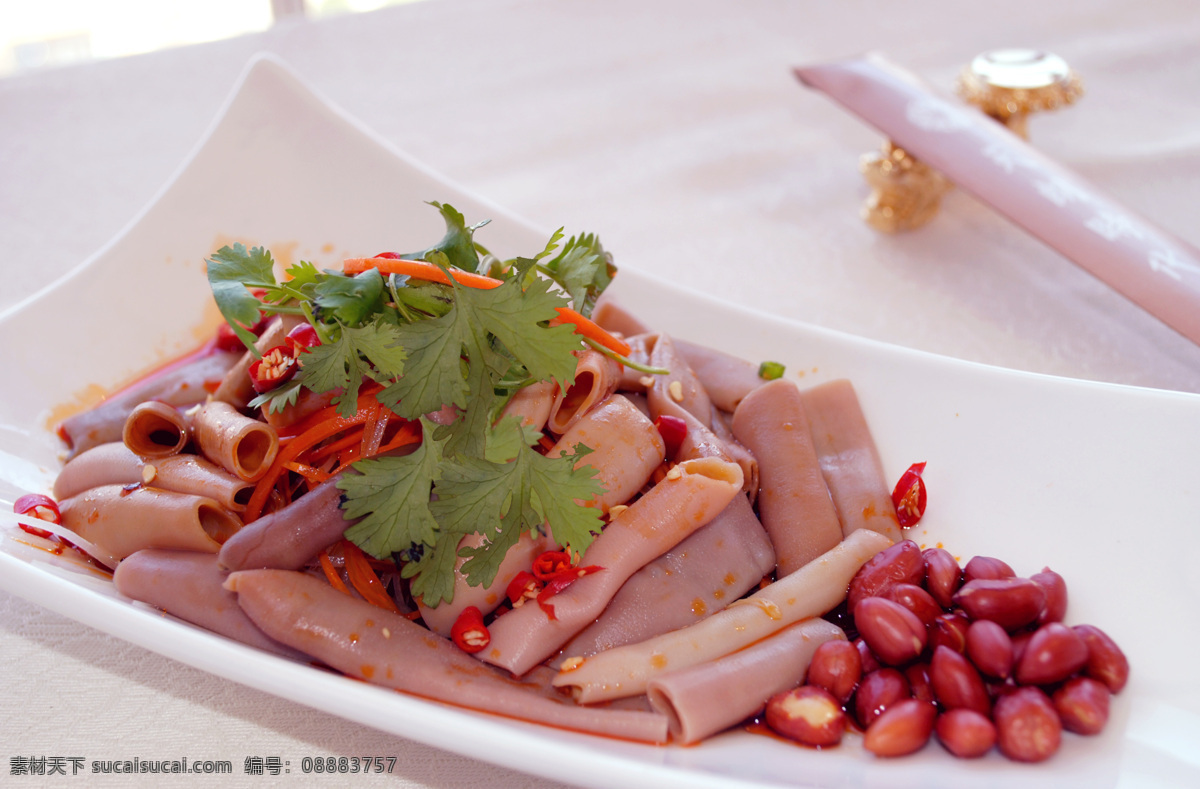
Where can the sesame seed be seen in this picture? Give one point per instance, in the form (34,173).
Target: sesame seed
(675,389)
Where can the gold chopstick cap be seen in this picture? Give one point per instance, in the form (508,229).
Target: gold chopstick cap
(1012,84)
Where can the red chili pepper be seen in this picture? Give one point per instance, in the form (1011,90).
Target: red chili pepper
(551,563)
(909,496)
(275,367)
(469,633)
(39,506)
(389,255)
(302,337)
(561,581)
(673,431)
(523,587)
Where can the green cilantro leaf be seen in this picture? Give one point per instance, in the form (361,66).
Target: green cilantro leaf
(391,495)
(457,245)
(373,350)
(584,270)
(349,300)
(231,272)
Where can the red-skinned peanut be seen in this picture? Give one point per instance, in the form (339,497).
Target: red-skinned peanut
(956,683)
(943,576)
(917,675)
(899,563)
(1027,727)
(876,692)
(990,648)
(949,630)
(1082,705)
(836,667)
(1106,662)
(1011,603)
(1055,587)
(869,661)
(893,633)
(915,599)
(808,715)
(1054,653)
(965,733)
(903,728)
(987,567)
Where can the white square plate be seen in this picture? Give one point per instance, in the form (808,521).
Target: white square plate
(1100,482)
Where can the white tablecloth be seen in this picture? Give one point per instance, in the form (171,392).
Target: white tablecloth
(675,130)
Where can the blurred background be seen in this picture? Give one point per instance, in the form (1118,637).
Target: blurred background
(51,33)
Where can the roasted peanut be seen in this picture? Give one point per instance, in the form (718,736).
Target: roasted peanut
(965,733)
(836,667)
(987,567)
(1011,603)
(949,630)
(876,692)
(990,648)
(903,728)
(899,563)
(1054,653)
(869,661)
(956,683)
(1106,662)
(1027,727)
(1082,705)
(1055,587)
(808,715)
(915,599)
(893,633)
(943,576)
(917,675)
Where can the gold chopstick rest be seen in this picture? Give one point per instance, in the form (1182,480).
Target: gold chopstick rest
(1006,84)
(905,192)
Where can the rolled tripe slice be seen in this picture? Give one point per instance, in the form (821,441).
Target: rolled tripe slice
(794,503)
(384,648)
(813,590)
(704,573)
(123,520)
(156,429)
(849,459)
(691,495)
(189,585)
(710,697)
(241,445)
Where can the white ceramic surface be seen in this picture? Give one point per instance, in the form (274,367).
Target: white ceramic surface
(1100,482)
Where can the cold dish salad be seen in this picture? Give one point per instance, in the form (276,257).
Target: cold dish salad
(482,481)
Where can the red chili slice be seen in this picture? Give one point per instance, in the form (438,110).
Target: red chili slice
(561,581)
(274,368)
(39,506)
(302,337)
(469,633)
(523,587)
(673,431)
(909,496)
(550,563)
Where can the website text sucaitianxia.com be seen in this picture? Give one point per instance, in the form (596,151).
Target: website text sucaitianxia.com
(43,765)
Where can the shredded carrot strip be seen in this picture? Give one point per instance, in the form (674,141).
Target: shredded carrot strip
(335,578)
(352,437)
(315,476)
(306,440)
(373,430)
(410,433)
(366,396)
(364,579)
(419,269)
(592,330)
